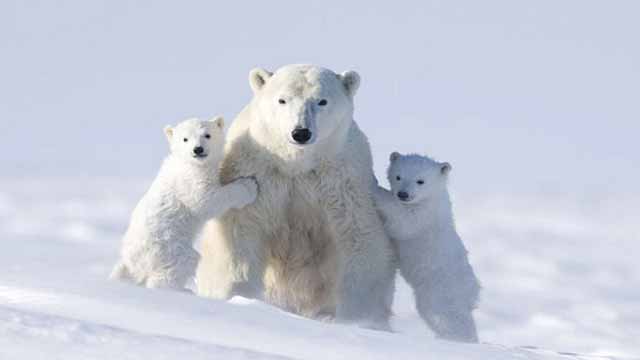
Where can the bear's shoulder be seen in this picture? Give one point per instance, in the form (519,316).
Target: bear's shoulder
(357,152)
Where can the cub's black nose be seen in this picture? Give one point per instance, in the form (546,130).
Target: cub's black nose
(403,195)
(198,150)
(301,136)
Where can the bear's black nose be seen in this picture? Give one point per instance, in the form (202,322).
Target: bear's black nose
(301,136)
(198,150)
(403,195)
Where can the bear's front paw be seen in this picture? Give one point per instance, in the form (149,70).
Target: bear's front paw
(164,283)
(157,282)
(250,193)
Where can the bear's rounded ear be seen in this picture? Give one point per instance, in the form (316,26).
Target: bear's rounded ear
(168,132)
(445,168)
(218,122)
(257,78)
(351,81)
(394,155)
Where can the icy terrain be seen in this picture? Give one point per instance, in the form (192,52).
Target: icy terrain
(555,276)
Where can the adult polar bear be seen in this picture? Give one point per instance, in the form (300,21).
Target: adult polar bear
(312,242)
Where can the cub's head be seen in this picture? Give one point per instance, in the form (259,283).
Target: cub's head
(301,105)
(414,178)
(197,141)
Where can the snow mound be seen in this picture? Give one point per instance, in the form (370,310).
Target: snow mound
(95,319)
(551,280)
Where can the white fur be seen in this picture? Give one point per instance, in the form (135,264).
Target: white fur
(157,249)
(312,243)
(431,255)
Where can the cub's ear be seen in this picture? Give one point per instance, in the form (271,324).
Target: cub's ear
(351,81)
(168,132)
(218,122)
(394,156)
(445,168)
(258,77)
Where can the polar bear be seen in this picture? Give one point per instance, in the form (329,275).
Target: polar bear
(432,258)
(312,243)
(157,248)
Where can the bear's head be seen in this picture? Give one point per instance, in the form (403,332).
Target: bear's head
(415,178)
(196,141)
(300,106)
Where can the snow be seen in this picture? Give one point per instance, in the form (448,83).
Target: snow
(27,335)
(554,281)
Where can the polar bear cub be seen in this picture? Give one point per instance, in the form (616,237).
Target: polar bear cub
(432,258)
(157,249)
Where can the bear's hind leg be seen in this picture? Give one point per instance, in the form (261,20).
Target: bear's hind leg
(450,317)
(450,324)
(232,262)
(368,271)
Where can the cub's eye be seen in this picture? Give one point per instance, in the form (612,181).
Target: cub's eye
(185,139)
(420,182)
(398,177)
(322,102)
(207,136)
(281,101)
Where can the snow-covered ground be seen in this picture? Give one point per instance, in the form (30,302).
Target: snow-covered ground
(558,270)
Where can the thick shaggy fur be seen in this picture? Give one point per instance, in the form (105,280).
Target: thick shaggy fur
(432,258)
(312,243)
(157,249)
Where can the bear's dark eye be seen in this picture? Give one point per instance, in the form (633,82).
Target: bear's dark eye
(420,182)
(398,177)
(185,139)
(207,136)
(281,101)
(322,102)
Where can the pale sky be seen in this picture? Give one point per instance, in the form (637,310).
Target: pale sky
(517,95)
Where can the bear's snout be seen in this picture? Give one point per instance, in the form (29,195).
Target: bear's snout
(198,150)
(403,195)
(301,135)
